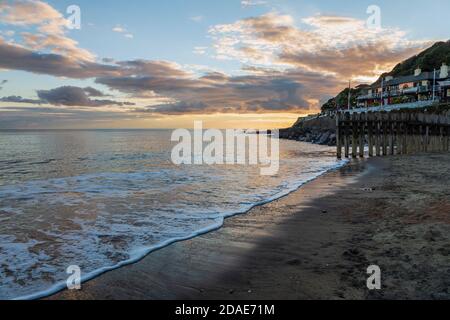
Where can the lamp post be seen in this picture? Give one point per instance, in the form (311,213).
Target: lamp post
(434,85)
(349,94)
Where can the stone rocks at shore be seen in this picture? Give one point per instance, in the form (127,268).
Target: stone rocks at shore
(320,131)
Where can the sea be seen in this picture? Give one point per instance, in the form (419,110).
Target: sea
(102,199)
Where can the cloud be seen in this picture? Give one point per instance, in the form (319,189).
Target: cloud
(31,12)
(268,91)
(92,92)
(60,118)
(108,60)
(120,29)
(68,96)
(47,27)
(8,33)
(200,50)
(286,66)
(59,44)
(177,108)
(253,3)
(19,99)
(196,18)
(16,57)
(75,96)
(142,78)
(340,46)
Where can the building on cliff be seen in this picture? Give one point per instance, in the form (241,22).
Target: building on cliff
(421,86)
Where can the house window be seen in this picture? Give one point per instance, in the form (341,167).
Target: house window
(407,85)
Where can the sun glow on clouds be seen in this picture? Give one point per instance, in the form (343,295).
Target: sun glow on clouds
(43,28)
(339,46)
(288,68)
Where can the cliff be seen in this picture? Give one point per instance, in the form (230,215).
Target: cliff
(320,130)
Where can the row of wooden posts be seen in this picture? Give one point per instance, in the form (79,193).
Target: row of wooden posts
(390,133)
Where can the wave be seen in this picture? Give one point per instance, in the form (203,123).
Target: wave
(139,253)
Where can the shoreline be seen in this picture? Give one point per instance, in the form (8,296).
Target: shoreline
(315,243)
(60,292)
(141,254)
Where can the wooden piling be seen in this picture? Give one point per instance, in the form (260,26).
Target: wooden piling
(338,136)
(384,137)
(354,134)
(427,136)
(446,134)
(392,133)
(346,134)
(362,134)
(370,132)
(398,133)
(404,123)
(376,124)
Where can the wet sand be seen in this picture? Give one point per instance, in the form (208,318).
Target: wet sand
(315,243)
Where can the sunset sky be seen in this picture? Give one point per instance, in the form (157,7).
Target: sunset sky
(163,64)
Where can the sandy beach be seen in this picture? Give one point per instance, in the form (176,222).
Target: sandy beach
(315,243)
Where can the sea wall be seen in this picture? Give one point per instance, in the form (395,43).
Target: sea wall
(317,130)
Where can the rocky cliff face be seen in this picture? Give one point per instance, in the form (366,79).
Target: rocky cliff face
(320,130)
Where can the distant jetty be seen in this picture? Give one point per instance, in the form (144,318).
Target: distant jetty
(258,132)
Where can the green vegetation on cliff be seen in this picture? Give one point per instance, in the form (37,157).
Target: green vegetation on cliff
(342,98)
(428,60)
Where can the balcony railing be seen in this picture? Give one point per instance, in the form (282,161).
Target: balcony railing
(392,107)
(367,96)
(444,83)
(395,93)
(410,90)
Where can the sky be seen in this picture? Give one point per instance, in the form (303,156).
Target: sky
(165,64)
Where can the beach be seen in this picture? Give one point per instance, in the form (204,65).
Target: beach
(315,243)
